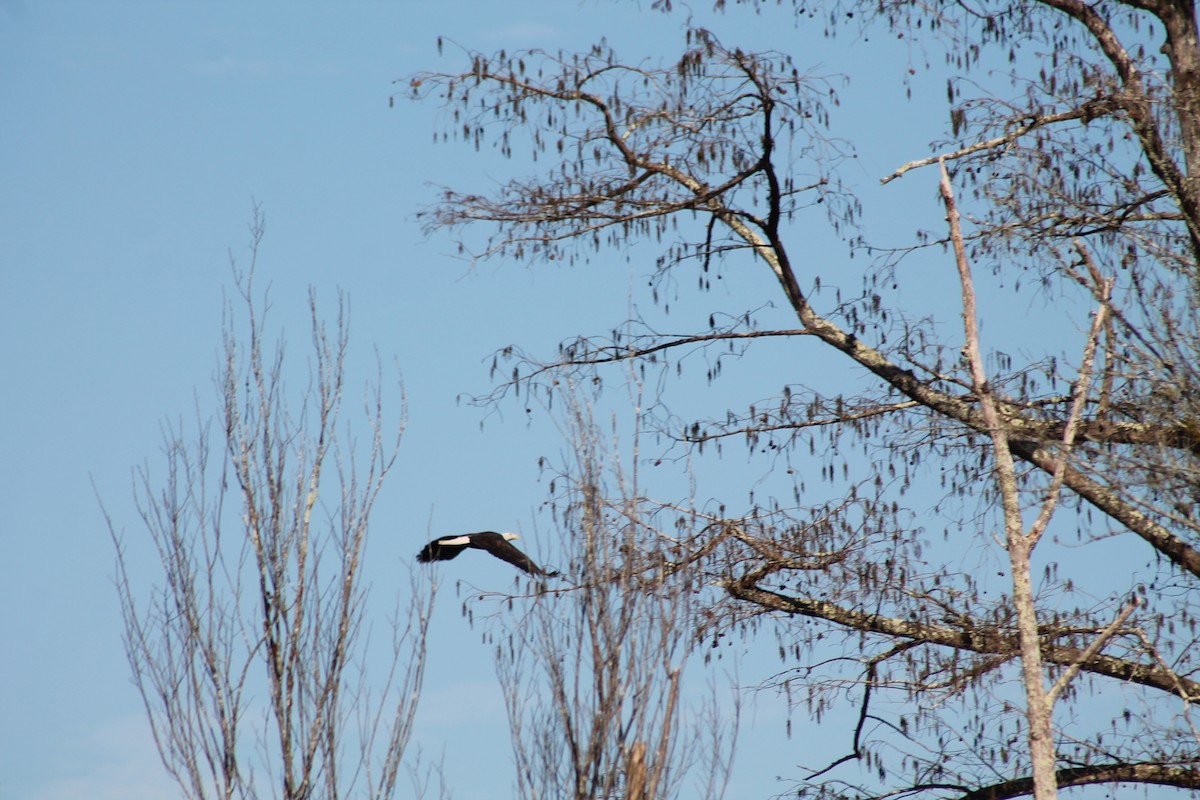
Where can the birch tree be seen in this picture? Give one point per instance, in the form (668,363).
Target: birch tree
(940,574)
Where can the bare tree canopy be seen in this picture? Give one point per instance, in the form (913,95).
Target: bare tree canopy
(594,673)
(252,653)
(998,566)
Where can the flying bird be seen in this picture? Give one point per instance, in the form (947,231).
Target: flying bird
(497,544)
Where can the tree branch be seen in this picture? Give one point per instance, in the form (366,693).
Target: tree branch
(989,640)
(1089,110)
(1151,774)
(1095,647)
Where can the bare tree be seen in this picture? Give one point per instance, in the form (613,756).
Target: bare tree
(253,651)
(1084,178)
(594,670)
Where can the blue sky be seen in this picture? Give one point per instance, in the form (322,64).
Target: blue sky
(137,135)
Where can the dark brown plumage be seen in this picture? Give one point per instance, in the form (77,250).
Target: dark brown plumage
(448,547)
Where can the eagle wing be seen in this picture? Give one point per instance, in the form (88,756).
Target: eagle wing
(504,551)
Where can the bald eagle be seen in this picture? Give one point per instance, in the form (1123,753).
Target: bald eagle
(497,544)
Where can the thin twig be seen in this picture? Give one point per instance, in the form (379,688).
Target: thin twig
(1092,649)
